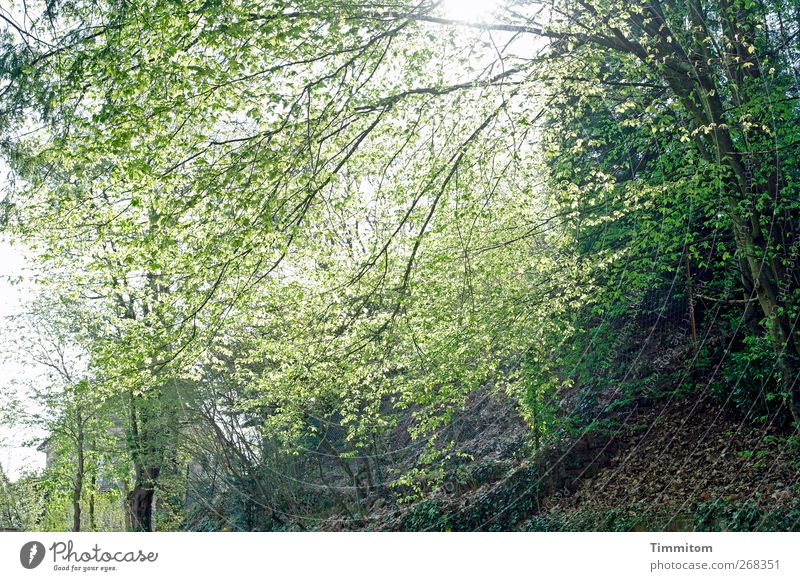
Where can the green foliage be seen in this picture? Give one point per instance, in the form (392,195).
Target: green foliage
(287,242)
(21,502)
(628,519)
(749,381)
(745,516)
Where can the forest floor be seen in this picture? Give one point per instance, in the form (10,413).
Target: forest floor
(677,464)
(684,459)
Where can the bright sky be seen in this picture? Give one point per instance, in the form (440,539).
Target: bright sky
(470,10)
(14,457)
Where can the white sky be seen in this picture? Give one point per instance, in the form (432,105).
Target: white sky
(14,457)
(469,9)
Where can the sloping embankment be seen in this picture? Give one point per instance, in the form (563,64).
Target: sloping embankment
(685,465)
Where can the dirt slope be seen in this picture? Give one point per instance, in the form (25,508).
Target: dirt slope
(682,461)
(676,465)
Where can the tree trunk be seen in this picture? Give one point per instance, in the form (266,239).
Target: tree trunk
(140,499)
(78,485)
(93,486)
(694,82)
(147,458)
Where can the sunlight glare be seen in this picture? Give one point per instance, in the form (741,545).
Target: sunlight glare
(469,10)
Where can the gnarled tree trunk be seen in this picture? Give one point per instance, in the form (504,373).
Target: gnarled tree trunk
(140,498)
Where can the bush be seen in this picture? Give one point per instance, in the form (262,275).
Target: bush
(747,516)
(750,381)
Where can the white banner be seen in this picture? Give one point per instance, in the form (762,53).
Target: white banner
(407,556)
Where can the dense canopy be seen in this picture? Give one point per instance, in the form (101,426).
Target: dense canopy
(285,248)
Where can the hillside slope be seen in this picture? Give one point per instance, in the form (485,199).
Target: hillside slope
(673,465)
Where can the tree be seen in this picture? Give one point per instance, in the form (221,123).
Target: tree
(361,214)
(64,402)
